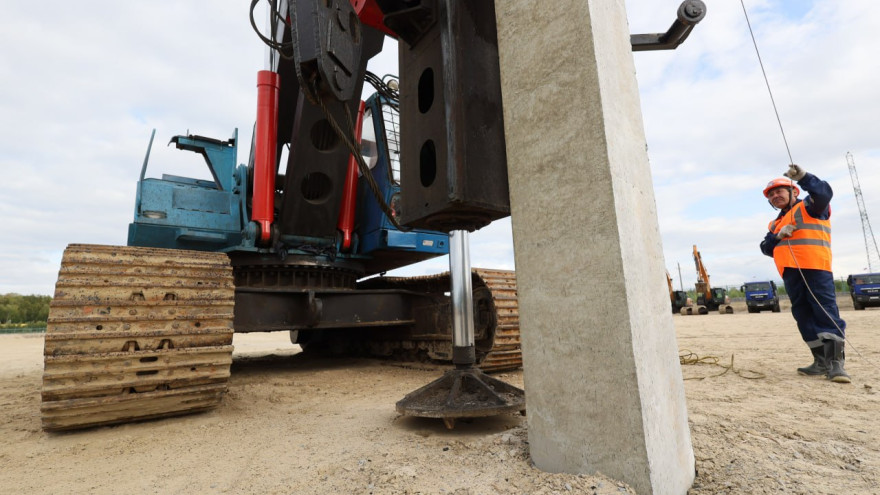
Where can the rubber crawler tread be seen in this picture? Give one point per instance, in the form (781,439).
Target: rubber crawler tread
(136,333)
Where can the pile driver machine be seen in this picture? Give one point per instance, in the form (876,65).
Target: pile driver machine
(145,330)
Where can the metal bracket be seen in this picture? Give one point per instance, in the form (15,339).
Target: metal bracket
(328,45)
(316,309)
(409,19)
(690,12)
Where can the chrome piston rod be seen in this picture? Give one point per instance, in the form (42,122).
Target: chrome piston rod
(461,291)
(465,391)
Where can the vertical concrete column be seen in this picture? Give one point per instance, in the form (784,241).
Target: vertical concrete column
(603,384)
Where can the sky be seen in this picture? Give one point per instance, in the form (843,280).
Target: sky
(82,88)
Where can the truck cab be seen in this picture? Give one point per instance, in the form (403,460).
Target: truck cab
(864,289)
(760,296)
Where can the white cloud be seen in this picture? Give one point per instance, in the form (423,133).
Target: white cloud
(714,140)
(81,93)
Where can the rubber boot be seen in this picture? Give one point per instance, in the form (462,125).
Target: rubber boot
(819,366)
(834,356)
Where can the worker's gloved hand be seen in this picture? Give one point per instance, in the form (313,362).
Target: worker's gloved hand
(785,231)
(795,172)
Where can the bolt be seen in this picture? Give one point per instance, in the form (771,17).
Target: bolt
(694,8)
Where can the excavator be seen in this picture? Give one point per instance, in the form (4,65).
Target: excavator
(711,298)
(335,193)
(679,298)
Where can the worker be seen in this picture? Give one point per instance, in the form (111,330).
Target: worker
(799,241)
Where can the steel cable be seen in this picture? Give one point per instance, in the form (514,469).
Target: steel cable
(791,160)
(767,82)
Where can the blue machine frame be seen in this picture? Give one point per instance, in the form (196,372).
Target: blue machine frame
(184,213)
(377,233)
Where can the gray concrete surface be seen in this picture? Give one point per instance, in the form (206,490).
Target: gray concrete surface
(603,385)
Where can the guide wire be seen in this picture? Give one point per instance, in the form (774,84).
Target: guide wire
(842,332)
(766,81)
(791,187)
(872,363)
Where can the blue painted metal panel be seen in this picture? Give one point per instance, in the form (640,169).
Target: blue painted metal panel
(185,213)
(424,241)
(376,234)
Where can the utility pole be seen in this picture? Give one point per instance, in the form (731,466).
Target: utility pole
(873,254)
(680,283)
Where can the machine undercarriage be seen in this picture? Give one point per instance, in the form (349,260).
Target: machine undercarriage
(139,333)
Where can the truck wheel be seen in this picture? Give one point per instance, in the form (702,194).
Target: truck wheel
(858,306)
(753,310)
(776,308)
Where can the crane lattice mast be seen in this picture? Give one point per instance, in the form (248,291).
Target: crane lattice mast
(870,243)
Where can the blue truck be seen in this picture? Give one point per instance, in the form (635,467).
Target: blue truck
(864,289)
(760,296)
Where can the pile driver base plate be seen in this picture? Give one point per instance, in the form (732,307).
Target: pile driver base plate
(462,393)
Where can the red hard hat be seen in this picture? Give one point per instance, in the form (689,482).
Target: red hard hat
(781,182)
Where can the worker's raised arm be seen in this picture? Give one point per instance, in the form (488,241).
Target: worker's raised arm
(820,194)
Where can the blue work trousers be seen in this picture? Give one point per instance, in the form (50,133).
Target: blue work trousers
(814,308)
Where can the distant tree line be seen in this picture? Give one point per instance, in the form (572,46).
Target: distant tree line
(17,309)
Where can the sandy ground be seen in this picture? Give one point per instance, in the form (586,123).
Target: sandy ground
(297,425)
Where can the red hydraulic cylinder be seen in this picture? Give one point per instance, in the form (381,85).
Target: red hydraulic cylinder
(265,150)
(345,224)
(371,15)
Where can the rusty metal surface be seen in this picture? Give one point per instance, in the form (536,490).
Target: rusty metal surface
(496,315)
(136,333)
(299,272)
(506,353)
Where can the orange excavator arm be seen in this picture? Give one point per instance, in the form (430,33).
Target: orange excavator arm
(702,285)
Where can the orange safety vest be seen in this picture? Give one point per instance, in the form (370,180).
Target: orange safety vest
(810,243)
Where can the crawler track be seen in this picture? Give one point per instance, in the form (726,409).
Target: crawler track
(505,353)
(496,313)
(136,333)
